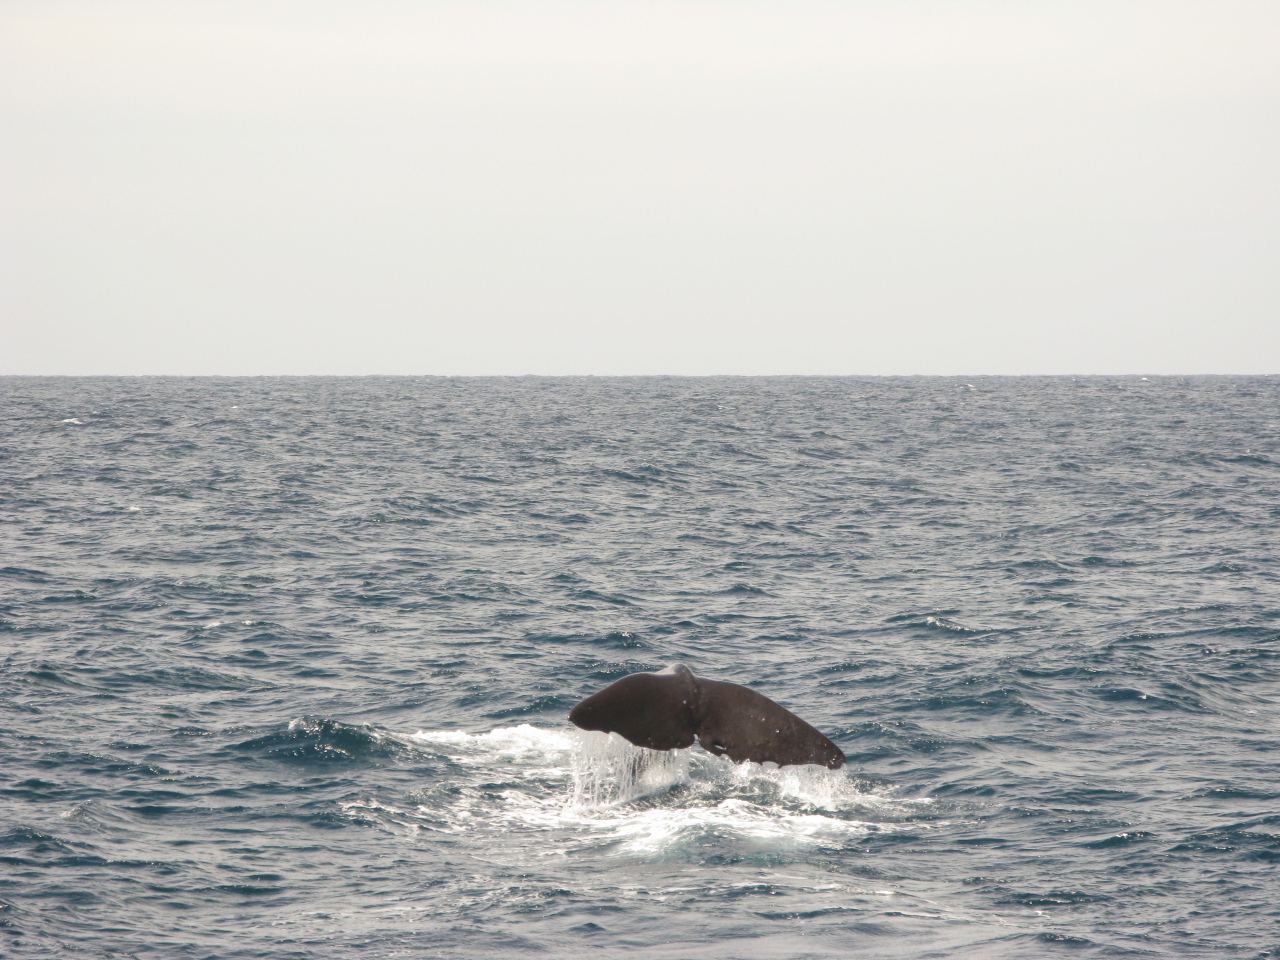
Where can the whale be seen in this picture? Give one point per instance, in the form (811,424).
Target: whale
(669,709)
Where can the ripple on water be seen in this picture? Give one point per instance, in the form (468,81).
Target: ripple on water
(1037,614)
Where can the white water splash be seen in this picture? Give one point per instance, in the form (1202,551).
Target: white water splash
(607,770)
(738,823)
(582,789)
(522,742)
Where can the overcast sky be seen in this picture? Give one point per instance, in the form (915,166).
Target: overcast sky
(614,187)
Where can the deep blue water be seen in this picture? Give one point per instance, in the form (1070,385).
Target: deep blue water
(285,664)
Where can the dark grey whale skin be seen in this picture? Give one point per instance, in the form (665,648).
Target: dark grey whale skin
(669,709)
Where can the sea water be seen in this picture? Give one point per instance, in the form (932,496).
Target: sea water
(285,666)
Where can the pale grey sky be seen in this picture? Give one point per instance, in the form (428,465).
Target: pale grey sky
(660,187)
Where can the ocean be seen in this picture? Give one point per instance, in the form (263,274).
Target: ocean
(285,665)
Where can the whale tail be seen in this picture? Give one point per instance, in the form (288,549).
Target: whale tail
(668,710)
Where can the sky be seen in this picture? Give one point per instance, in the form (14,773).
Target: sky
(693,187)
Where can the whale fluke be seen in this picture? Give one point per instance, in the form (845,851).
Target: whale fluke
(669,709)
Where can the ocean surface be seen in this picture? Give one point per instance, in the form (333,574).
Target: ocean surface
(285,666)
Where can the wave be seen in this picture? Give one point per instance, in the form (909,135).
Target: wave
(320,740)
